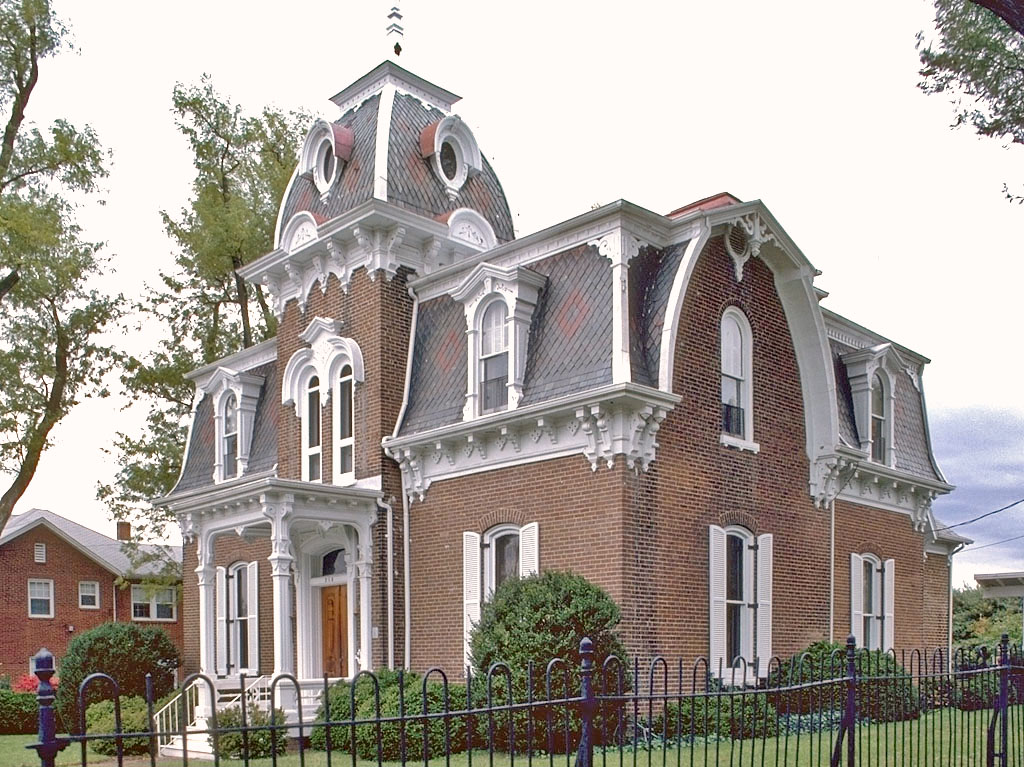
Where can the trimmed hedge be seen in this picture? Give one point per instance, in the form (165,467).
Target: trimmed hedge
(100,720)
(258,744)
(733,715)
(19,713)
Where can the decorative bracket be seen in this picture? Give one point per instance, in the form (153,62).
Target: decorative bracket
(829,475)
(755,234)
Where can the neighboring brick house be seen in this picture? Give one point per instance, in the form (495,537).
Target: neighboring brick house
(60,579)
(658,402)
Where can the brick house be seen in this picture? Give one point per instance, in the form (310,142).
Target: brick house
(61,578)
(658,402)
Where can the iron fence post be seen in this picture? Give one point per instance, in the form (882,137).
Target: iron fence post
(851,698)
(585,753)
(1004,681)
(49,744)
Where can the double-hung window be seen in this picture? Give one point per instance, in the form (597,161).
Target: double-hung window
(872,598)
(153,604)
(230,436)
(879,446)
(344,439)
(89,595)
(237,618)
(40,598)
(311,432)
(740,589)
(494,358)
(737,375)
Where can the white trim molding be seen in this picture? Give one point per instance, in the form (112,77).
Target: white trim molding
(861,367)
(327,353)
(453,134)
(246,390)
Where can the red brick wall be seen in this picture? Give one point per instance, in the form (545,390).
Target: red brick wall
(22,636)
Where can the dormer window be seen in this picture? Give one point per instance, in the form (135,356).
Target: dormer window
(328,147)
(452,151)
(872,373)
(326,163)
(737,373)
(879,448)
(311,447)
(494,358)
(230,436)
(344,440)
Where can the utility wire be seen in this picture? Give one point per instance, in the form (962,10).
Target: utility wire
(982,516)
(1005,540)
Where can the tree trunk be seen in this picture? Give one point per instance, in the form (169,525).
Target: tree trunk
(269,320)
(9,282)
(21,96)
(243,307)
(37,439)
(1010,11)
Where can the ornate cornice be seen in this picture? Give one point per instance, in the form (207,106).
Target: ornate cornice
(755,233)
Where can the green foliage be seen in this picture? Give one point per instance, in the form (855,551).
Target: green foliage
(530,621)
(886,692)
(724,714)
(255,742)
(100,719)
(19,713)
(51,356)
(976,61)
(243,164)
(125,651)
(980,621)
(366,705)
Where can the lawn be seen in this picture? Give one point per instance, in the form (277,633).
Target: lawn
(947,737)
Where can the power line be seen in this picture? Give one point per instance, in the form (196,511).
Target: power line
(982,516)
(1005,540)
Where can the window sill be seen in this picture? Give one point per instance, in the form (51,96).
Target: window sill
(88,607)
(154,620)
(41,617)
(729,440)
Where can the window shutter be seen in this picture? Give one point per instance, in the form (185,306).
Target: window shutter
(222,621)
(765,547)
(470,587)
(252,573)
(529,550)
(857,598)
(888,602)
(716,591)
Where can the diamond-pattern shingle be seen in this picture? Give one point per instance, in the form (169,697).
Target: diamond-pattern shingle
(910,441)
(437,389)
(844,396)
(651,274)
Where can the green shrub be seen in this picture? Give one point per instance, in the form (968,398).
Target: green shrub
(886,692)
(256,741)
(339,695)
(125,651)
(19,713)
(533,620)
(100,720)
(733,715)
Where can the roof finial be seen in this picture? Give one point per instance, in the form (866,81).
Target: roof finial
(395,28)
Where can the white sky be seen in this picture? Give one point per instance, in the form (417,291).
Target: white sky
(809,106)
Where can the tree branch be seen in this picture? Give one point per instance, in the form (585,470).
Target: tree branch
(9,282)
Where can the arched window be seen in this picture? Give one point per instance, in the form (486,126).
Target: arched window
(494,358)
(879,420)
(311,432)
(237,618)
(501,556)
(737,396)
(344,439)
(230,437)
(872,596)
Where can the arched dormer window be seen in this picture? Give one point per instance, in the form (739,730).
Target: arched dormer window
(342,418)
(312,452)
(879,420)
(494,358)
(230,436)
(737,381)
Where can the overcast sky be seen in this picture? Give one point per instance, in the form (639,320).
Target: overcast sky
(811,107)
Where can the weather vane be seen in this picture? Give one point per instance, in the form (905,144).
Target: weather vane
(395,28)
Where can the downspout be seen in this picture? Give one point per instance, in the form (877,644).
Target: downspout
(405,572)
(949,613)
(832,571)
(391,581)
(113,598)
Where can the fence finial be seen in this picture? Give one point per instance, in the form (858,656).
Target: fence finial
(585,753)
(49,744)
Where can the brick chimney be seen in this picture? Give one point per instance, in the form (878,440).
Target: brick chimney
(124,531)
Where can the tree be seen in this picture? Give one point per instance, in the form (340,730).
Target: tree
(978,60)
(981,621)
(50,320)
(243,164)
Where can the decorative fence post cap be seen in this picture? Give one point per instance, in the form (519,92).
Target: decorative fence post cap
(43,660)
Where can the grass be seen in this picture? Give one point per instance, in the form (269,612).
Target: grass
(946,737)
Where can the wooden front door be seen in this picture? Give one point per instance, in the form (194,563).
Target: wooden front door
(334,609)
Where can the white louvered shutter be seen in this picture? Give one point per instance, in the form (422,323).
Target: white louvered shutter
(716,592)
(470,587)
(857,598)
(765,547)
(252,573)
(888,602)
(529,550)
(222,621)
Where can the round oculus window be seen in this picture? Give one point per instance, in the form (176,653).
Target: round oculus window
(326,162)
(449,161)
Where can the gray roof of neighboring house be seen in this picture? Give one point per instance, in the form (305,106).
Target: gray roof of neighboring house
(106,551)
(412,184)
(199,461)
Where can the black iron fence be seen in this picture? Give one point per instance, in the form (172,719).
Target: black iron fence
(841,706)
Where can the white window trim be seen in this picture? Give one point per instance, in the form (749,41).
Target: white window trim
(482,358)
(39,553)
(887,413)
(49,583)
(89,607)
(224,434)
(348,477)
(746,440)
(883,590)
(249,571)
(151,600)
(453,131)
(307,451)
(861,366)
(246,388)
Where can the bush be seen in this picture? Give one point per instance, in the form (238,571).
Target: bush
(885,694)
(257,743)
(100,720)
(533,620)
(728,715)
(125,651)
(339,696)
(19,713)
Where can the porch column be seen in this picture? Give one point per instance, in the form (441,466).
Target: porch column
(206,576)
(279,511)
(364,569)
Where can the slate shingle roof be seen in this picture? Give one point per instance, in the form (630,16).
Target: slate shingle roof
(199,462)
(651,274)
(437,390)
